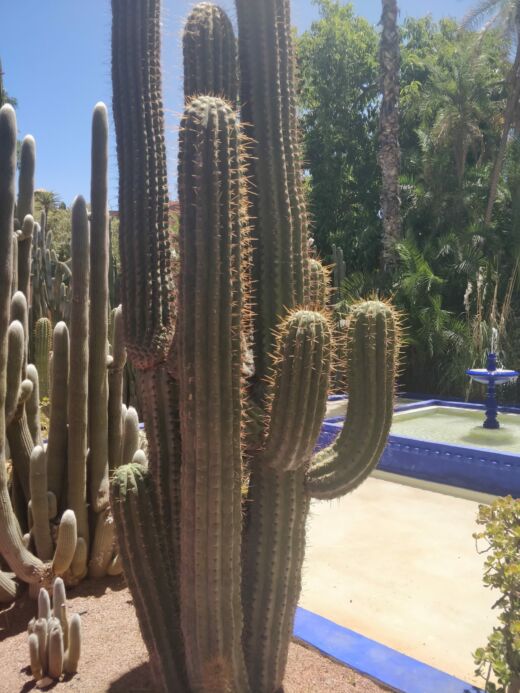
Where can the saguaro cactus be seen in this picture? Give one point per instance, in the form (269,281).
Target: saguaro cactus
(216,579)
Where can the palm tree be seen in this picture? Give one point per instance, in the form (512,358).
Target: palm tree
(46,200)
(457,98)
(503,16)
(389,151)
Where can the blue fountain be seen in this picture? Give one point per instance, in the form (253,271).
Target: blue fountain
(492,376)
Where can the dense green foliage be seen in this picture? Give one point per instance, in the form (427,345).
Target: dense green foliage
(500,538)
(457,278)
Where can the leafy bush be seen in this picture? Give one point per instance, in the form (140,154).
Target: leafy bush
(501,537)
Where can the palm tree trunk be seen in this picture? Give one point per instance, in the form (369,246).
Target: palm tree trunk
(389,150)
(512,102)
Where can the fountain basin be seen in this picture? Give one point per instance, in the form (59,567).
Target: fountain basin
(500,375)
(444,442)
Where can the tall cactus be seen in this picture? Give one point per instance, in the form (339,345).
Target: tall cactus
(20,560)
(42,350)
(216,580)
(77,406)
(98,327)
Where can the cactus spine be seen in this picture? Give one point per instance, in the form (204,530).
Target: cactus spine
(215,592)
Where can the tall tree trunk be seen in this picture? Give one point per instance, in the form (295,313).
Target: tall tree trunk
(511,105)
(389,150)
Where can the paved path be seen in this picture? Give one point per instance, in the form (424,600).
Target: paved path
(398,564)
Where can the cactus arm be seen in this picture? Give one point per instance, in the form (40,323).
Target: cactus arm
(65,543)
(19,312)
(149,573)
(318,285)
(42,348)
(130,442)
(278,502)
(139,119)
(299,390)
(371,366)
(279,225)
(278,505)
(98,325)
(57,441)
(209,349)
(210,54)
(55,652)
(8,588)
(39,505)
(115,390)
(25,206)
(77,407)
(32,406)
(103,545)
(71,659)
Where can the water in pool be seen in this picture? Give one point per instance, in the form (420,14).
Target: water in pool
(459,427)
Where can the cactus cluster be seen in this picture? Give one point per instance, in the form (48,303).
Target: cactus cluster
(54,639)
(54,497)
(50,278)
(233,362)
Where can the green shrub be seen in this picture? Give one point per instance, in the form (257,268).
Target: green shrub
(501,538)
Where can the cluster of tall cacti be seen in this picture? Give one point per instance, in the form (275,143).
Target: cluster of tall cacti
(54,496)
(54,640)
(50,278)
(233,361)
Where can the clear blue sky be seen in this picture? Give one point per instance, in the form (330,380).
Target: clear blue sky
(56,59)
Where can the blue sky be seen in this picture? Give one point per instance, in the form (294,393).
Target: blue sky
(56,59)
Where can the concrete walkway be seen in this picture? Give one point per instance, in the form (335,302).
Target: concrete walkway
(398,564)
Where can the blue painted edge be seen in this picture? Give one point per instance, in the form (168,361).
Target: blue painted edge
(379,662)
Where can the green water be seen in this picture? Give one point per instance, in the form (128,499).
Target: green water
(458,426)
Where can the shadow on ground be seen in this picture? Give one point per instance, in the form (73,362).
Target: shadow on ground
(138,680)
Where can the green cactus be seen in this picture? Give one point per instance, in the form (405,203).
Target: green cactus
(276,201)
(210,54)
(25,207)
(77,406)
(215,592)
(318,284)
(45,482)
(58,436)
(340,269)
(115,389)
(54,643)
(21,561)
(98,324)
(42,349)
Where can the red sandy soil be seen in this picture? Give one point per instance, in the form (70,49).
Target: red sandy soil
(114,658)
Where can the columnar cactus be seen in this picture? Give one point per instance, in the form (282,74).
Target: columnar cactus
(216,579)
(99,304)
(54,641)
(45,481)
(25,207)
(42,350)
